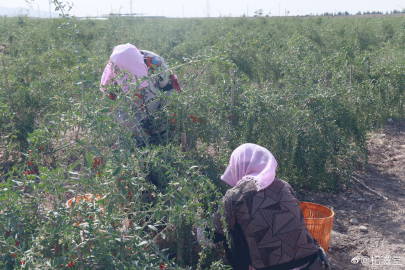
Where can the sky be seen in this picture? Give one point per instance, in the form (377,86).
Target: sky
(212,8)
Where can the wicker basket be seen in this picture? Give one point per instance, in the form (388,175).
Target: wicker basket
(319,222)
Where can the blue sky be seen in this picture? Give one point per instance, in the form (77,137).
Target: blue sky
(199,8)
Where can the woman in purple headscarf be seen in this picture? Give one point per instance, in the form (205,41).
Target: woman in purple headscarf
(142,75)
(263,216)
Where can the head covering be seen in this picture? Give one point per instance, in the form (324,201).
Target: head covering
(251,160)
(127,58)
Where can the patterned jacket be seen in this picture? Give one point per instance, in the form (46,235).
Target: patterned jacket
(267,227)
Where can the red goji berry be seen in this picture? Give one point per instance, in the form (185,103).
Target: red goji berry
(22,262)
(29,172)
(97,161)
(17,243)
(162,266)
(30,163)
(138,95)
(112,96)
(194,118)
(71,264)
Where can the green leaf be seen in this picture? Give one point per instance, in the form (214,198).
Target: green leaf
(117,171)
(143,243)
(153,228)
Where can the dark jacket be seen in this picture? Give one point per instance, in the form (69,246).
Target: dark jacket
(267,228)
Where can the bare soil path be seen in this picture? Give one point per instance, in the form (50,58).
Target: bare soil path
(369,231)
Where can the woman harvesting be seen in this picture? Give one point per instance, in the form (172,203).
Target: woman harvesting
(142,75)
(263,216)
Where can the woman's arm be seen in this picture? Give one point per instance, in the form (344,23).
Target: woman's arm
(108,74)
(225,216)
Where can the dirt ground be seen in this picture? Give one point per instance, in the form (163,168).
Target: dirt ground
(369,230)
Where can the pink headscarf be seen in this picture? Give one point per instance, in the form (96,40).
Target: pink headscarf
(251,160)
(126,57)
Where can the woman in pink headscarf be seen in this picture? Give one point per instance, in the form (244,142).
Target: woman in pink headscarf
(142,75)
(263,216)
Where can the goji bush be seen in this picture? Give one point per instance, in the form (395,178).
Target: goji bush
(308,89)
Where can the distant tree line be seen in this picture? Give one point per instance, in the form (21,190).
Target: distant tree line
(261,13)
(346,13)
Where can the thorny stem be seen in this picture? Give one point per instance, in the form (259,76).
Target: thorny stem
(61,6)
(3,65)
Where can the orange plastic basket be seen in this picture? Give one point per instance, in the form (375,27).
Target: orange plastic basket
(319,222)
